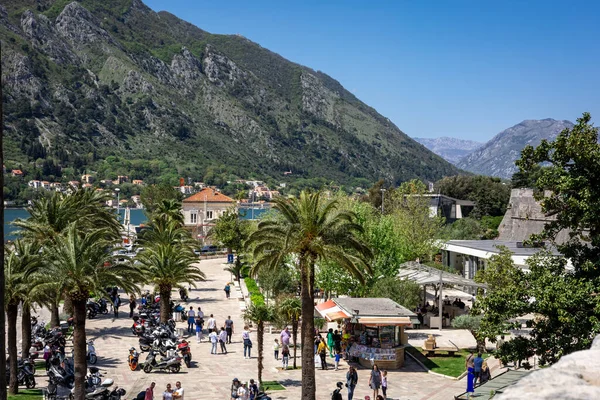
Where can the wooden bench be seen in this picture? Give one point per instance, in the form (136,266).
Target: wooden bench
(438,350)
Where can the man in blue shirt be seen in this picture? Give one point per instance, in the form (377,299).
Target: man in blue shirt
(477,363)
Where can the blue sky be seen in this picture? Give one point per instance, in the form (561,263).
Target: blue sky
(465,69)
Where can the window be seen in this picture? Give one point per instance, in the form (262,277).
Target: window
(194,218)
(209,215)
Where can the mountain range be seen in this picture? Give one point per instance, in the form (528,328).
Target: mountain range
(450,149)
(496,157)
(116,88)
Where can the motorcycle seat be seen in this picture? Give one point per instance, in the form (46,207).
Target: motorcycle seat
(107,382)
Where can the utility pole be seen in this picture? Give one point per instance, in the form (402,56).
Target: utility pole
(2,314)
(382,199)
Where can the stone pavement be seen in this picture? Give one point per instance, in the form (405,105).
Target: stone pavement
(210,375)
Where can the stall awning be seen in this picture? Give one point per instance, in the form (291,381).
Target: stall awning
(385,320)
(331,311)
(425,275)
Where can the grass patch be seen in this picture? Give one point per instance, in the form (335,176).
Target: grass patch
(443,364)
(27,394)
(272,385)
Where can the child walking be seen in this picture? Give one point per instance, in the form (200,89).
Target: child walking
(338,356)
(198,329)
(276,349)
(384,383)
(285,356)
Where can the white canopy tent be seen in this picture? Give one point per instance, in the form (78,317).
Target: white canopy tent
(425,275)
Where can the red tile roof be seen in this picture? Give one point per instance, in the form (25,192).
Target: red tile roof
(208,195)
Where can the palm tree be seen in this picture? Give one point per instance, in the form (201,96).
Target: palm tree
(290,308)
(80,264)
(49,217)
(167,210)
(259,314)
(19,261)
(310,229)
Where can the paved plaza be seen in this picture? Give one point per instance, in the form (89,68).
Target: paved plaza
(210,375)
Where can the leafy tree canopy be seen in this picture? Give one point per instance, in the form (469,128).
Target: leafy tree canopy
(490,195)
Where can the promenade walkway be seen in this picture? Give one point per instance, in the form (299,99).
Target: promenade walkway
(210,375)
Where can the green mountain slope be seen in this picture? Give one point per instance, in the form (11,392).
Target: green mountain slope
(115,87)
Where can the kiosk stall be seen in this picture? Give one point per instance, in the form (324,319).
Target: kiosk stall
(372,329)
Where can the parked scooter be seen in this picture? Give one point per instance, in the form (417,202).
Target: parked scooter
(172,364)
(25,373)
(133,359)
(91,356)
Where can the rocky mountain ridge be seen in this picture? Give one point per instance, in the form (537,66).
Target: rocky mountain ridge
(451,149)
(92,81)
(497,157)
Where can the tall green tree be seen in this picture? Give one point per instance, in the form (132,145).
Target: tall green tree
(311,229)
(259,314)
(404,292)
(566,298)
(79,262)
(290,309)
(21,260)
(232,232)
(153,195)
(490,194)
(168,259)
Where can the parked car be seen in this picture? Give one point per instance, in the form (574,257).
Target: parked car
(209,249)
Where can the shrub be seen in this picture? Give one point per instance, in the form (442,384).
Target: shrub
(256,297)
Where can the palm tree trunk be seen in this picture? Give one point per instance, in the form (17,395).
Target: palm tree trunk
(54,317)
(79,348)
(2,280)
(295,338)
(25,330)
(308,331)
(165,299)
(260,333)
(68,306)
(12,309)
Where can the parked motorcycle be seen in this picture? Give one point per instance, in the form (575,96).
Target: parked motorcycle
(91,356)
(172,364)
(133,359)
(25,373)
(184,349)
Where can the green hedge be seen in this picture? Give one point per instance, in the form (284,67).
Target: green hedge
(256,297)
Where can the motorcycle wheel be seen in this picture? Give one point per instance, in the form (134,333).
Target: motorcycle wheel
(51,389)
(176,368)
(30,382)
(147,368)
(105,311)
(133,366)
(93,359)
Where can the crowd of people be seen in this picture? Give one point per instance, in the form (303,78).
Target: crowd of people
(168,394)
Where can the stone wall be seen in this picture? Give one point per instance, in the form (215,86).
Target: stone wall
(523,218)
(574,376)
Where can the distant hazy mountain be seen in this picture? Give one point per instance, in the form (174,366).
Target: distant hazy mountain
(497,157)
(451,149)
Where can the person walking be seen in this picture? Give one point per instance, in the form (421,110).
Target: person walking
(384,383)
(330,342)
(229,328)
(199,322)
(211,325)
(223,340)
(214,339)
(351,381)
(247,342)
(243,391)
(132,304)
(375,380)
(190,320)
(178,395)
(285,356)
(227,290)
(276,349)
(338,356)
(337,393)
(235,385)
(116,303)
(252,390)
(168,393)
(150,392)
(285,336)
(469,365)
(477,364)
(322,350)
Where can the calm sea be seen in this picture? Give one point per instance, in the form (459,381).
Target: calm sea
(10,214)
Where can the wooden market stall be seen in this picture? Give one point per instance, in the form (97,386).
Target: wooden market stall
(372,329)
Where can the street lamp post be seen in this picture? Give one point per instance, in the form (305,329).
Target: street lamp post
(382,199)
(118,203)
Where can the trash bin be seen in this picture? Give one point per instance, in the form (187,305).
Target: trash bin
(177,316)
(179,332)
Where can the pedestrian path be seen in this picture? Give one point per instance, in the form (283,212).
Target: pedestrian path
(210,375)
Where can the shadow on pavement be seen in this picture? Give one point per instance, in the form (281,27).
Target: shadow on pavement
(290,382)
